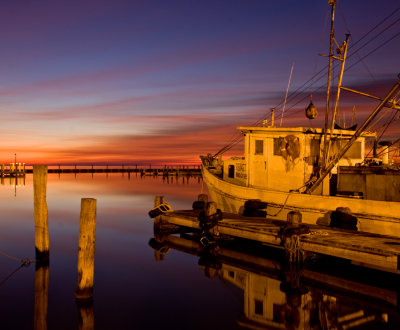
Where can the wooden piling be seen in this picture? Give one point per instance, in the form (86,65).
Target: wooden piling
(86,247)
(41,297)
(40,211)
(158,200)
(203,198)
(294,218)
(211,208)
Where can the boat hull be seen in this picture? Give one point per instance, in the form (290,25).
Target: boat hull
(379,217)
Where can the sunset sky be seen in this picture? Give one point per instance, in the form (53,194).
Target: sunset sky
(128,81)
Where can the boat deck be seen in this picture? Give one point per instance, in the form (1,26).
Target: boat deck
(365,249)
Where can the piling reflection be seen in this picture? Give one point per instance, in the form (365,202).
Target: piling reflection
(41,296)
(280,295)
(85,315)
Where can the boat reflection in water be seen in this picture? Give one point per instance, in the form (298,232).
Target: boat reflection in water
(330,294)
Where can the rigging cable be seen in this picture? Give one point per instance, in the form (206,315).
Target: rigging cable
(388,123)
(321,73)
(299,90)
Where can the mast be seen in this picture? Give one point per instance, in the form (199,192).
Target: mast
(343,60)
(332,3)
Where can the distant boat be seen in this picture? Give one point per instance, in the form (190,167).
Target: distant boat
(315,171)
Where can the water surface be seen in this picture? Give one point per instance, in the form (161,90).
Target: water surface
(225,288)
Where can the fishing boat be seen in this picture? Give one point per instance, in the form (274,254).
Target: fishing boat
(320,172)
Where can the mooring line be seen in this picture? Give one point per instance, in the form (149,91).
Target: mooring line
(24,261)
(12,273)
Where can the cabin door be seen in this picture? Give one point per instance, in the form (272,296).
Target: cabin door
(258,164)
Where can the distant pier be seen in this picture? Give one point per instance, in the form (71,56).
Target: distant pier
(166,170)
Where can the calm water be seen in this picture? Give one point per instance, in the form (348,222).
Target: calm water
(190,288)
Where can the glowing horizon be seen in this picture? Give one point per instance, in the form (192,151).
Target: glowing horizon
(154,82)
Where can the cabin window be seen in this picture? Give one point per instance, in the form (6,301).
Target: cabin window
(259,150)
(231,171)
(354,152)
(278,146)
(258,307)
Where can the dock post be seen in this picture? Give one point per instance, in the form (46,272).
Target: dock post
(201,202)
(86,247)
(40,212)
(41,297)
(291,240)
(294,218)
(211,216)
(211,210)
(158,200)
(203,198)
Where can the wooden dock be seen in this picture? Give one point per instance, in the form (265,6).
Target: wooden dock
(12,170)
(365,249)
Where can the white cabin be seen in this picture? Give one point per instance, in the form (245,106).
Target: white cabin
(284,158)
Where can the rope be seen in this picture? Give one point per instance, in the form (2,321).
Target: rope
(283,206)
(24,261)
(12,273)
(292,248)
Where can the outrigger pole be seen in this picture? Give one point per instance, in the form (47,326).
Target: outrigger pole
(356,135)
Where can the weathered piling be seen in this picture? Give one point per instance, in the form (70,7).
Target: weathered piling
(290,236)
(41,297)
(201,202)
(158,200)
(294,218)
(40,210)
(211,209)
(86,247)
(208,220)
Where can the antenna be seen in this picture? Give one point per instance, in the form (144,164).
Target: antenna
(287,89)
